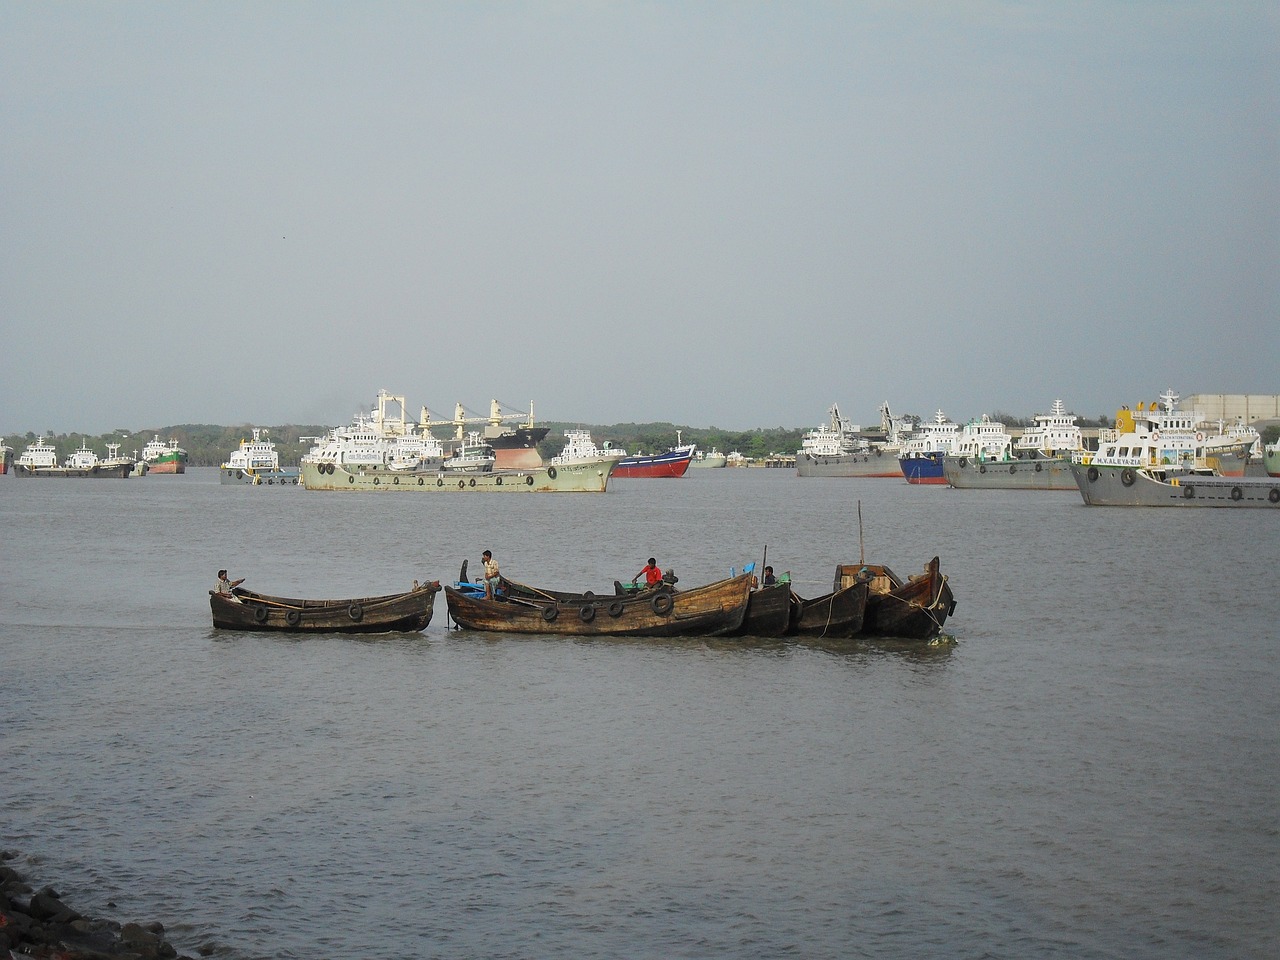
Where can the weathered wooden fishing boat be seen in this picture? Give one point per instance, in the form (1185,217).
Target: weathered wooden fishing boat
(768,611)
(715,609)
(911,609)
(836,614)
(246,610)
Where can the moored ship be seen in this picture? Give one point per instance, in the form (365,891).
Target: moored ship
(383,452)
(988,458)
(672,462)
(1159,457)
(6,457)
(922,455)
(161,457)
(836,450)
(41,460)
(256,462)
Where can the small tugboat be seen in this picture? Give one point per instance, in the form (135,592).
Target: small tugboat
(256,462)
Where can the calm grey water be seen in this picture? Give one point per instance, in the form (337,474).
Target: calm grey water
(1090,771)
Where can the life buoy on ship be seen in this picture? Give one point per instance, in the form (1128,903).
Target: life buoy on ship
(1199,437)
(1155,434)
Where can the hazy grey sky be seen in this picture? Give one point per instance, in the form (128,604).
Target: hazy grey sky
(726,214)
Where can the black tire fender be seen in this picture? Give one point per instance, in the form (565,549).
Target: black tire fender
(587,612)
(355,612)
(293,617)
(662,603)
(550,613)
(260,614)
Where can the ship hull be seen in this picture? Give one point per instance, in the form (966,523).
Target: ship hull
(876,464)
(516,449)
(168,463)
(269,478)
(1129,487)
(669,464)
(966,473)
(924,469)
(116,472)
(568,478)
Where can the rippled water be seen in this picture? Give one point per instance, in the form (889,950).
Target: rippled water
(1090,771)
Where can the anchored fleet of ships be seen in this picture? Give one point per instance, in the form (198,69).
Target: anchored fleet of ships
(1156,455)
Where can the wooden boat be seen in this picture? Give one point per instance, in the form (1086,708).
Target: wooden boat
(768,612)
(911,609)
(836,614)
(715,609)
(408,612)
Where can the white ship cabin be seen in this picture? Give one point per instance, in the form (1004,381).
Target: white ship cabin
(984,440)
(1152,437)
(1054,434)
(256,454)
(939,435)
(835,438)
(82,459)
(579,448)
(39,454)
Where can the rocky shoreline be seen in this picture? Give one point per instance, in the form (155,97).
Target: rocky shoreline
(37,924)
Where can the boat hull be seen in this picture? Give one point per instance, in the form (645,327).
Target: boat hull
(923,469)
(569,478)
(167,465)
(669,464)
(716,609)
(399,612)
(911,609)
(112,472)
(1108,486)
(840,613)
(1047,473)
(768,612)
(1271,462)
(515,449)
(269,478)
(875,464)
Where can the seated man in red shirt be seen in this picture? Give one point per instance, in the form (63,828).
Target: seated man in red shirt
(652,575)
